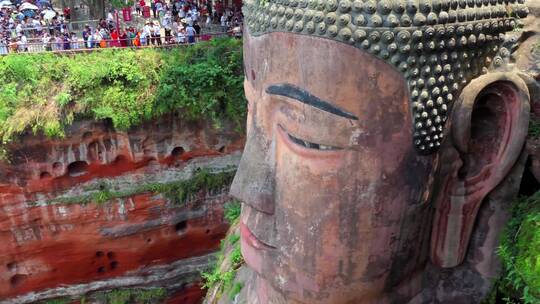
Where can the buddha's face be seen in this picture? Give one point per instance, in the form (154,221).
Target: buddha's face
(335,194)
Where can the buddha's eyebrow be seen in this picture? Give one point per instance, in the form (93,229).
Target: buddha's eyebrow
(294,92)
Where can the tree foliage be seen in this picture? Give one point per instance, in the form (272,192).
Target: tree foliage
(520,253)
(44,93)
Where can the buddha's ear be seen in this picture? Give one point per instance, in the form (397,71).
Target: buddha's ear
(488,129)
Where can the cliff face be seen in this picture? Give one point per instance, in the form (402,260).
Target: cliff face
(101,209)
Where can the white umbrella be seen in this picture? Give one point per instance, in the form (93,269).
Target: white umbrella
(28,6)
(6,4)
(48,14)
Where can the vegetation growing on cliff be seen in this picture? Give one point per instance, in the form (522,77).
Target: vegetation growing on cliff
(520,253)
(177,192)
(222,275)
(232,211)
(44,93)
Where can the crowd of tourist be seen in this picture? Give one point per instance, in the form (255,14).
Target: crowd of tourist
(29,27)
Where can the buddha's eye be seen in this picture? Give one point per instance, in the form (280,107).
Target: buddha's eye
(311,145)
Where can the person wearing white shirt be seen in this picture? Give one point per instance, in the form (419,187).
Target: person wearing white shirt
(156,33)
(110,16)
(145,35)
(19,29)
(189,20)
(181,35)
(223,21)
(3,46)
(21,44)
(167,21)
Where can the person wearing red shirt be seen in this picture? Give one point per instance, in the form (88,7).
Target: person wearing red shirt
(67,13)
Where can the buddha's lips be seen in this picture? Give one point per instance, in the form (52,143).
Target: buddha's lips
(251,239)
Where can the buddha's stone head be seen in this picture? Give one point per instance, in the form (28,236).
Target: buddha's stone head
(375,131)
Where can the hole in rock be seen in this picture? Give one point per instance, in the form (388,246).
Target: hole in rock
(99,254)
(114,264)
(180,227)
(77,168)
(17,279)
(44,174)
(11,266)
(529,185)
(57,167)
(111,255)
(149,240)
(101,269)
(177,151)
(87,135)
(221,149)
(121,159)
(207,231)
(107,143)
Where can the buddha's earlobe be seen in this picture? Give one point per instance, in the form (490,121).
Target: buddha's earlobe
(488,132)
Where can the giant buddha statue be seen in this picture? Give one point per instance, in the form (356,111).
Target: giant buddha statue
(384,144)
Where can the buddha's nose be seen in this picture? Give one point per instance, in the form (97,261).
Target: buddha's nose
(255,178)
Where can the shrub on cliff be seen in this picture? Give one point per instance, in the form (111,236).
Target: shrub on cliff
(44,93)
(520,253)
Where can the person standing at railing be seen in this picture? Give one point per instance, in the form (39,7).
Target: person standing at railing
(180,33)
(57,46)
(3,45)
(46,40)
(22,44)
(96,37)
(66,42)
(87,32)
(91,42)
(190,31)
(223,21)
(74,41)
(157,32)
(114,39)
(124,40)
(146,34)
(167,23)
(131,35)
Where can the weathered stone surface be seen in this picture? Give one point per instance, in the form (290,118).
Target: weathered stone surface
(339,205)
(52,237)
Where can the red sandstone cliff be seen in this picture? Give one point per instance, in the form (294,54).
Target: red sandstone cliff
(90,212)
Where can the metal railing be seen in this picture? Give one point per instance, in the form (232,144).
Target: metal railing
(38,46)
